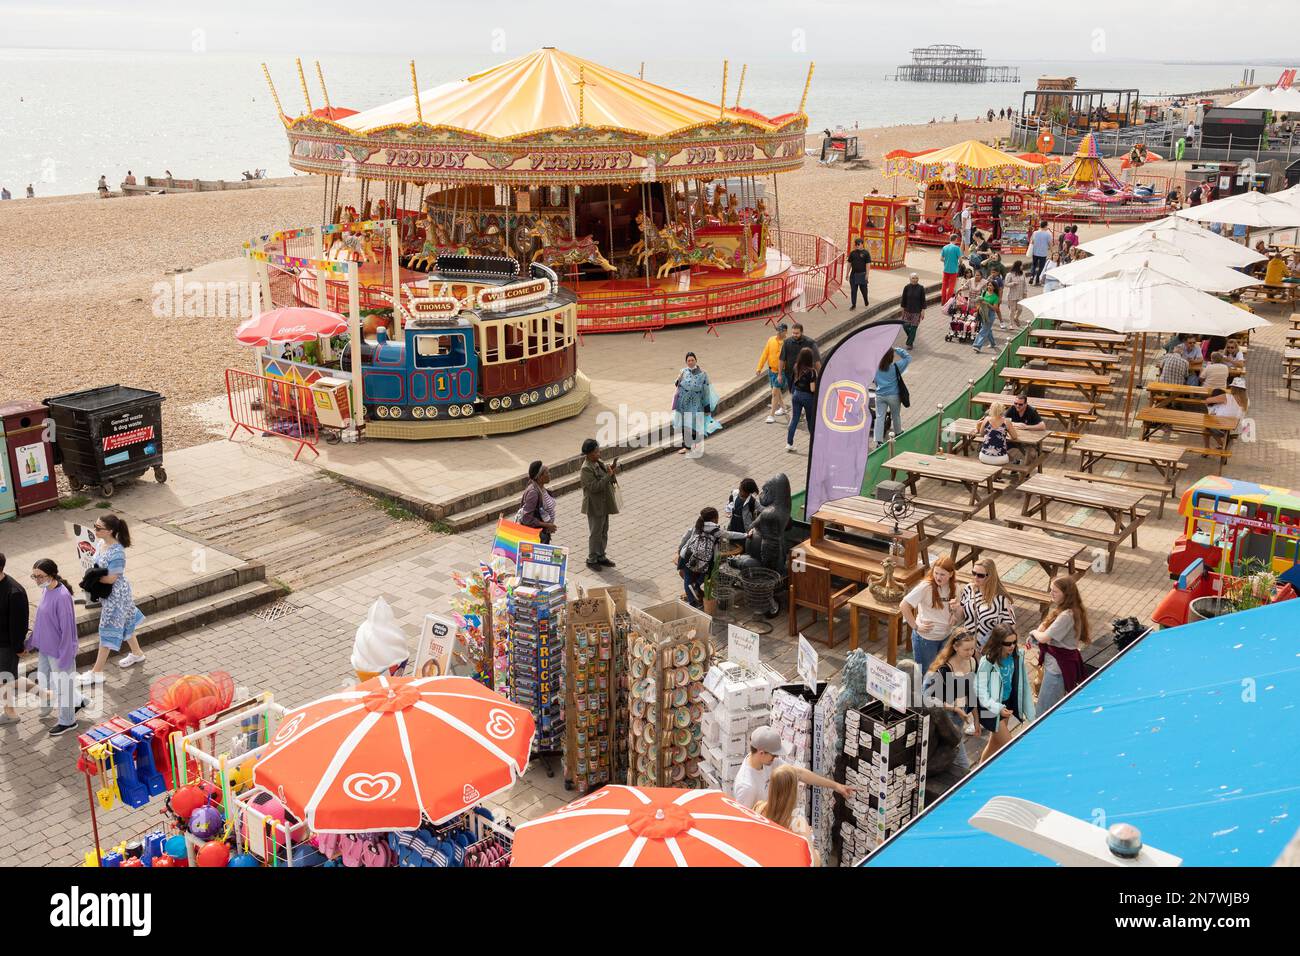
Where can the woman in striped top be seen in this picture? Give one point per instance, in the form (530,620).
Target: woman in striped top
(985,603)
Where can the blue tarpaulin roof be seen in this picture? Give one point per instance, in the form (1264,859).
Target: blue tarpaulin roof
(1193,736)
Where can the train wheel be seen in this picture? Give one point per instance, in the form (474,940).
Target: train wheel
(494,404)
(396,411)
(381,411)
(533,397)
(417,411)
(523,399)
(467,410)
(507,402)
(453,411)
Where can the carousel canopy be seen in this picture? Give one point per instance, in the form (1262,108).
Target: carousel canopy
(971,163)
(547,118)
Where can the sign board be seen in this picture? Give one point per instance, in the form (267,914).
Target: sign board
(433,653)
(807,664)
(542,564)
(886,683)
(742,647)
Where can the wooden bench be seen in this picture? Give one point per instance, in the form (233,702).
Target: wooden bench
(1112,539)
(1151,487)
(967,511)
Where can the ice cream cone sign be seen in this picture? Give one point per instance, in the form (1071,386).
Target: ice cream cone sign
(380,646)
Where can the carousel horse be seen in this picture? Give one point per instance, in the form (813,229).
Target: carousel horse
(652,241)
(437,242)
(558,251)
(352,247)
(685,253)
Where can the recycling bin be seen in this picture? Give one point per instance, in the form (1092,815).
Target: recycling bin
(107,435)
(29,456)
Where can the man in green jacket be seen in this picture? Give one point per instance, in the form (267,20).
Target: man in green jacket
(598,483)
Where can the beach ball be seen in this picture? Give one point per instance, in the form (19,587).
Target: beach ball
(243,860)
(175,847)
(214,854)
(206,822)
(186,800)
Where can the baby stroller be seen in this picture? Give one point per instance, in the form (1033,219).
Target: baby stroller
(963,319)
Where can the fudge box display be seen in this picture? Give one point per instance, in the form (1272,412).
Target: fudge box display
(590,693)
(792,712)
(622,714)
(668,655)
(536,659)
(883,760)
(736,701)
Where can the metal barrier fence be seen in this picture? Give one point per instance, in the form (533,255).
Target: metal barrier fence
(263,405)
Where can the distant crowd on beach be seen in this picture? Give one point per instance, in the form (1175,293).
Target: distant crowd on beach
(990,116)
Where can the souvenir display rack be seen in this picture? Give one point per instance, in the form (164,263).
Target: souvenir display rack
(622,625)
(792,716)
(536,659)
(590,693)
(824,754)
(668,655)
(736,701)
(884,761)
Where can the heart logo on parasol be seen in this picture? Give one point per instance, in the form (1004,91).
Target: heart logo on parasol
(369,787)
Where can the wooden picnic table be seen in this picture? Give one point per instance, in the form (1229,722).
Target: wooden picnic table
(1105,341)
(975,476)
(1293,338)
(1072,414)
(1051,554)
(1099,363)
(1167,395)
(1291,367)
(1209,427)
(1165,459)
(1086,383)
(1287,292)
(1295,320)
(1119,504)
(869,518)
(959,437)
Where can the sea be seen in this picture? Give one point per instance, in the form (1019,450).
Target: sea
(68,116)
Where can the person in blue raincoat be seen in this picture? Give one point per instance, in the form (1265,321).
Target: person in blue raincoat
(693,405)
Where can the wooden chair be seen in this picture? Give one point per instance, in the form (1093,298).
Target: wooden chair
(811,587)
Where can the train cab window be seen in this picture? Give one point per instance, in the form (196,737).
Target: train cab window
(439,351)
(516,340)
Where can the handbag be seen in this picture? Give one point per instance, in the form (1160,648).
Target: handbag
(617,491)
(904,396)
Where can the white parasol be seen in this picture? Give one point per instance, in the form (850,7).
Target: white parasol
(1254,210)
(1196,242)
(1160,256)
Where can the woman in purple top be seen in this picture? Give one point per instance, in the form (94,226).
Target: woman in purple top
(54,638)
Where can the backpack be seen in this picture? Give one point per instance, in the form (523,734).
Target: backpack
(697,553)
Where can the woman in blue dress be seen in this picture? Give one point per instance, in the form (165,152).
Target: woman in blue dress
(118,615)
(691,406)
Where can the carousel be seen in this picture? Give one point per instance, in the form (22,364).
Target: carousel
(1085,189)
(653,207)
(998,186)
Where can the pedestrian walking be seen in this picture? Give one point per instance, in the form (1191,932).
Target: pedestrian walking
(803,397)
(770,362)
(795,343)
(14,613)
(537,507)
(891,392)
(967,219)
(859,270)
(988,306)
(950,255)
(599,501)
(1014,290)
(54,638)
(912,303)
(118,616)
(1040,245)
(692,404)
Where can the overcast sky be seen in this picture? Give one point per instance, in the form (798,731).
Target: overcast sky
(1247,31)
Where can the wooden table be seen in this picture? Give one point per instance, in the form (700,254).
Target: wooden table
(869,517)
(1287,293)
(975,476)
(1072,415)
(864,602)
(1086,383)
(1051,554)
(1165,459)
(1293,338)
(1295,320)
(1209,427)
(1099,363)
(1119,504)
(959,437)
(1105,341)
(1166,395)
(1291,366)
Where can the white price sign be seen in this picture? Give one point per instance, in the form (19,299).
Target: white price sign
(886,683)
(742,647)
(807,664)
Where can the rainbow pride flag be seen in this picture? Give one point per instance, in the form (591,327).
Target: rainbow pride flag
(509,534)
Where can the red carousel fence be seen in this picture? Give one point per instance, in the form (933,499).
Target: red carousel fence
(262,405)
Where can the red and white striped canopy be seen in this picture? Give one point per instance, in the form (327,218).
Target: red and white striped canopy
(655,826)
(291,324)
